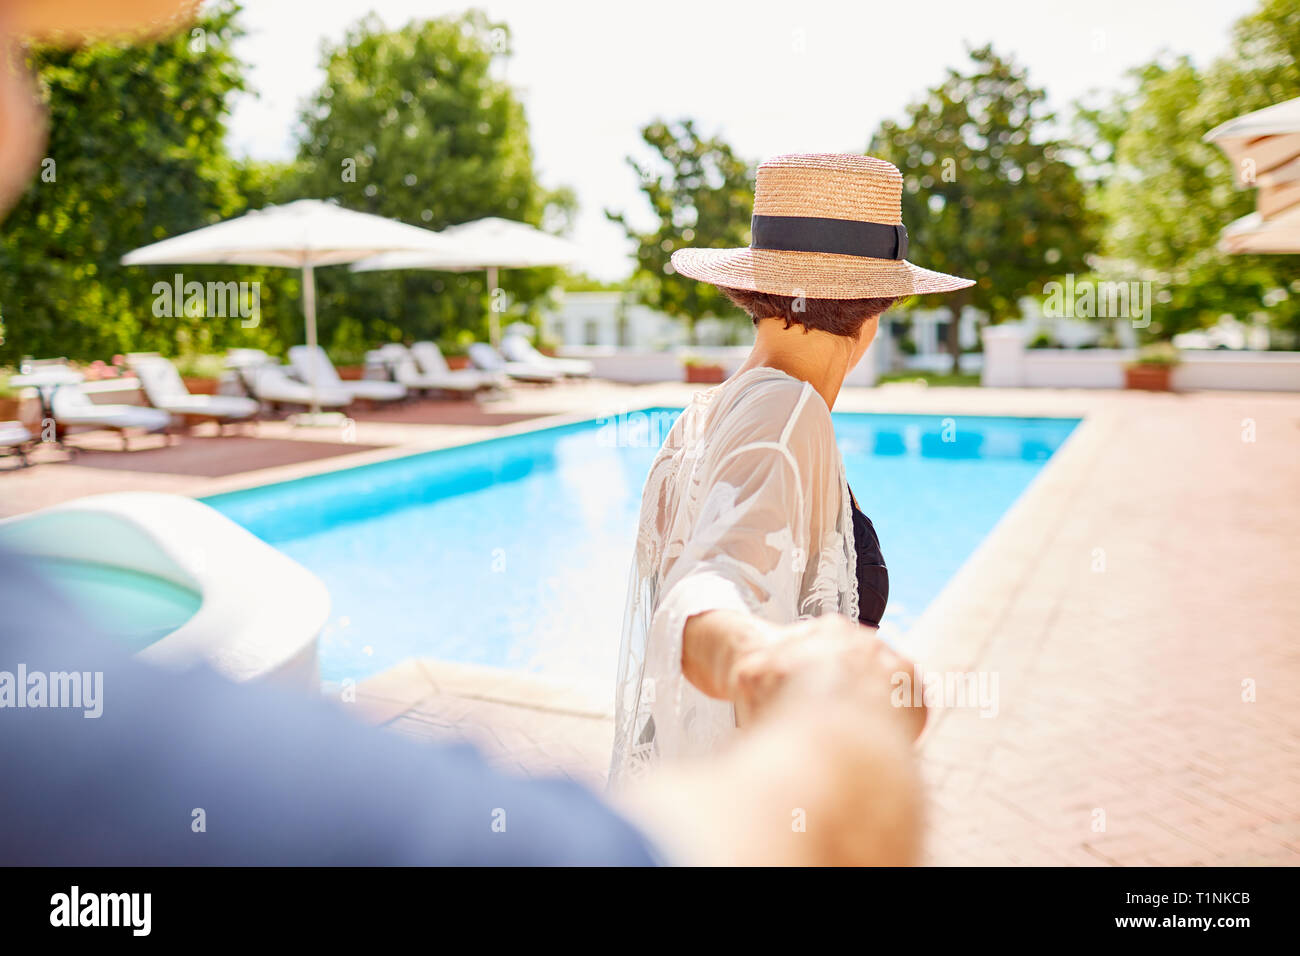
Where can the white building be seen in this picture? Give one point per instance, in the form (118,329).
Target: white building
(611,319)
(617,320)
(927,332)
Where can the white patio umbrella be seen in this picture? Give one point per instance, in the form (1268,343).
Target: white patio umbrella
(1255,234)
(490,244)
(1260,142)
(299,235)
(1264,147)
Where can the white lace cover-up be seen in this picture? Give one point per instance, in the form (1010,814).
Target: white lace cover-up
(746,507)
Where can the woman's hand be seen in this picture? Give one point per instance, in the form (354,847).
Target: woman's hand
(825,656)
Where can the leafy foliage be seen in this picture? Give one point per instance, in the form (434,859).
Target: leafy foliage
(135,154)
(413,124)
(703,196)
(986,194)
(1171,193)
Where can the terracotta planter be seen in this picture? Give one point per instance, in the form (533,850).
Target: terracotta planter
(25,410)
(705,374)
(455,362)
(1148,378)
(351,373)
(201,386)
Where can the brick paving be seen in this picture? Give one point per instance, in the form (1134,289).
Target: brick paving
(1128,607)
(521,723)
(209,456)
(451,412)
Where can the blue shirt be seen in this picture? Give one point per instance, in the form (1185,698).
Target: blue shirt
(275,778)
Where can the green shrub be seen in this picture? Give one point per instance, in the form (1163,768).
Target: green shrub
(1158,353)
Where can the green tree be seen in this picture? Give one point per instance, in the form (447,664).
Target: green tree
(1171,194)
(136,153)
(414,124)
(986,193)
(703,196)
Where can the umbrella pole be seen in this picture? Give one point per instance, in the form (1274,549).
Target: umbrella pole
(309,310)
(314,417)
(494,322)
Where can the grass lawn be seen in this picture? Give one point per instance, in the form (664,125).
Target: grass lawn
(962,379)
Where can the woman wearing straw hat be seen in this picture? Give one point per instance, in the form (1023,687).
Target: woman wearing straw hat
(754,565)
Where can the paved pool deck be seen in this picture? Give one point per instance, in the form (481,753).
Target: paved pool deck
(1138,607)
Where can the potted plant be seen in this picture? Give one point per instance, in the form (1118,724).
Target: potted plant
(455,352)
(9,400)
(200,373)
(701,371)
(1153,368)
(455,357)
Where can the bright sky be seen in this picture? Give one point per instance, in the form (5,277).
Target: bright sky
(806,75)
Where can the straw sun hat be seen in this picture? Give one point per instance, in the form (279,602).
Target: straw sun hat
(826,226)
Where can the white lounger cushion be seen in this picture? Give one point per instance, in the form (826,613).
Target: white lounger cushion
(270,384)
(487,358)
(429,357)
(376,391)
(229,408)
(315,365)
(13,433)
(518,349)
(398,358)
(247,358)
(71,406)
(166,390)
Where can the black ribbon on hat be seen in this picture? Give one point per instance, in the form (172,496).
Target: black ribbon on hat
(844,237)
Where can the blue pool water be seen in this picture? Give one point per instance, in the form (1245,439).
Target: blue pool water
(515,552)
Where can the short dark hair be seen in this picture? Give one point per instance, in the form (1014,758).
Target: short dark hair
(836,316)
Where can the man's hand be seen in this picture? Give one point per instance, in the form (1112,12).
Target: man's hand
(828,656)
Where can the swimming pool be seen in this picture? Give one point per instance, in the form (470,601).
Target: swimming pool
(514,552)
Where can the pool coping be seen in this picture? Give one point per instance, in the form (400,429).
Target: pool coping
(470,435)
(396,690)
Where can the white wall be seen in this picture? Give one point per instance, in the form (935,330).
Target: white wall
(1267,371)
(1074,368)
(1008,364)
(647,365)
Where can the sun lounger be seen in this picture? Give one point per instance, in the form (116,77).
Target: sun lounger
(72,407)
(315,365)
(516,348)
(14,439)
(264,380)
(429,358)
(488,359)
(401,366)
(165,389)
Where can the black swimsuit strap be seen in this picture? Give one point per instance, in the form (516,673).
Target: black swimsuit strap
(872,575)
